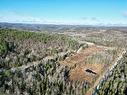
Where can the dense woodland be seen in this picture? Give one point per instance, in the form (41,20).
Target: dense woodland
(116,82)
(29,62)
(19,49)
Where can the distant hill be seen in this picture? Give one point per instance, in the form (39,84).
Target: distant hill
(55,28)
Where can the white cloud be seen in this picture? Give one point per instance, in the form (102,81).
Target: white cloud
(125,14)
(91,20)
(15,17)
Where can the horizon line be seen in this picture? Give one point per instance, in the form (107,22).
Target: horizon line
(105,25)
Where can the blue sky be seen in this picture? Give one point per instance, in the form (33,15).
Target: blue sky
(87,12)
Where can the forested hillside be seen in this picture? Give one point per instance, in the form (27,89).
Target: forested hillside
(64,63)
(29,64)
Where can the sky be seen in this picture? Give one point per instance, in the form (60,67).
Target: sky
(79,12)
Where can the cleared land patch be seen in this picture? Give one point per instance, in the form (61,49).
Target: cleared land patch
(85,72)
(81,56)
(90,63)
(82,71)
